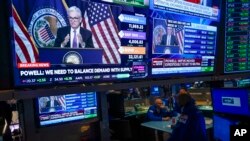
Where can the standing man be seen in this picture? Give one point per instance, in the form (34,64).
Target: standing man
(191,124)
(169,39)
(74,36)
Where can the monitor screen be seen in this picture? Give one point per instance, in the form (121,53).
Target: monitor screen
(155,91)
(181,44)
(200,8)
(53,110)
(43,55)
(221,127)
(244,83)
(235,101)
(236,52)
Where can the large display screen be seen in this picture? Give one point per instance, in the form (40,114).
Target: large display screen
(235,101)
(182,44)
(118,51)
(65,108)
(221,127)
(237,36)
(199,8)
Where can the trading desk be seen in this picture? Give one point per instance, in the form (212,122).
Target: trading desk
(165,126)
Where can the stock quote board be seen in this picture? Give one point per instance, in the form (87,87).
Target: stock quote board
(237,45)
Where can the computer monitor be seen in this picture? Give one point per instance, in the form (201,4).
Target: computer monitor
(52,110)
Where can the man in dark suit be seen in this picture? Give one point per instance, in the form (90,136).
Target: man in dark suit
(74,36)
(52,105)
(169,39)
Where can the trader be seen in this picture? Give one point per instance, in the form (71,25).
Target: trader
(158,112)
(191,124)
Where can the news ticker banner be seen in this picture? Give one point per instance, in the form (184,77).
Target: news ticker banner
(168,65)
(184,7)
(29,75)
(237,41)
(130,2)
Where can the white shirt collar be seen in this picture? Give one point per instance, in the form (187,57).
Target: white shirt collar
(77,30)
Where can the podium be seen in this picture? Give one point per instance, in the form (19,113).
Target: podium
(163,49)
(71,55)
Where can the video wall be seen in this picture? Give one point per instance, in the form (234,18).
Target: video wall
(116,40)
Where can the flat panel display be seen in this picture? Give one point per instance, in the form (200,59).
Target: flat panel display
(237,36)
(182,44)
(53,110)
(118,51)
(235,101)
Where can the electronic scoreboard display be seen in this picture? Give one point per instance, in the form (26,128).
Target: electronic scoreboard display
(237,45)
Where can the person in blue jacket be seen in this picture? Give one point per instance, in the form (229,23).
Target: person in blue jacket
(191,123)
(158,112)
(177,108)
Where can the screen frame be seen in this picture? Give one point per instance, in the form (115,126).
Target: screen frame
(183,74)
(239,114)
(38,122)
(17,78)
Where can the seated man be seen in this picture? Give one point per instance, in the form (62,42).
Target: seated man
(158,112)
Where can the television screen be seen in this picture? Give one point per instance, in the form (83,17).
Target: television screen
(129,2)
(236,58)
(200,8)
(155,91)
(65,108)
(221,127)
(235,101)
(244,83)
(118,51)
(181,44)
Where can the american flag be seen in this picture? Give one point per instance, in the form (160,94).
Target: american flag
(61,101)
(179,33)
(99,19)
(25,48)
(45,33)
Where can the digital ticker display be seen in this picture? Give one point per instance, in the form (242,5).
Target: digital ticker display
(119,40)
(198,8)
(129,2)
(237,31)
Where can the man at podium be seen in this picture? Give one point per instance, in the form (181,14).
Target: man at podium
(74,36)
(169,39)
